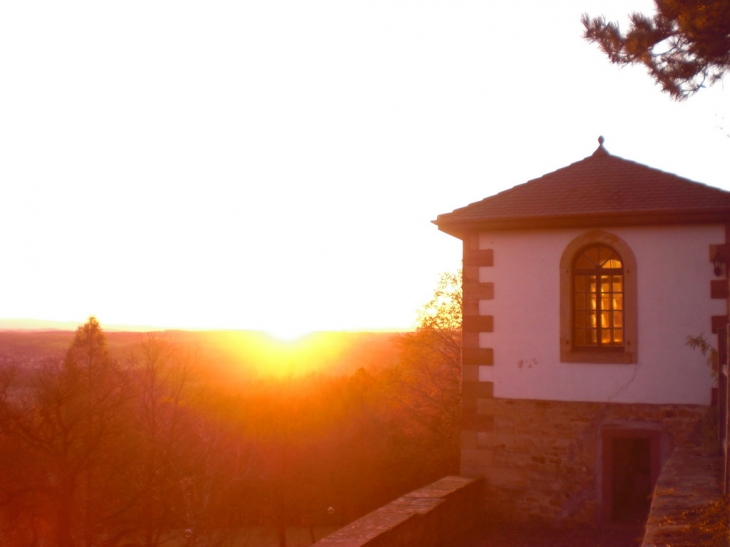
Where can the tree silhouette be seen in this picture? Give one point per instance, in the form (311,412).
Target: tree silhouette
(684,46)
(160,449)
(69,424)
(425,383)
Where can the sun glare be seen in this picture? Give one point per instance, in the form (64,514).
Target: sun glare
(282,353)
(287,333)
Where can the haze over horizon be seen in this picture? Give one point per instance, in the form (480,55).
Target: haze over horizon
(42,325)
(276,166)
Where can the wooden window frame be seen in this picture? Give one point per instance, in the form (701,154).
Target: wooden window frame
(570,354)
(598,272)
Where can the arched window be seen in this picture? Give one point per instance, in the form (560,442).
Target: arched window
(598,301)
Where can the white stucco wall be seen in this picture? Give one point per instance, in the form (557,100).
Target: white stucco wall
(673,288)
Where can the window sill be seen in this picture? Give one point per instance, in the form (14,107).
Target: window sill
(618,358)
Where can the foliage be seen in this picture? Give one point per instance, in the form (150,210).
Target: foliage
(684,45)
(708,351)
(102,452)
(425,384)
(67,424)
(161,449)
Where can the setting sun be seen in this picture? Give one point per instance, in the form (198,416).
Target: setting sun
(287,334)
(269,355)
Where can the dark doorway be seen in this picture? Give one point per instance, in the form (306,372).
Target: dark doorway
(631,478)
(630,469)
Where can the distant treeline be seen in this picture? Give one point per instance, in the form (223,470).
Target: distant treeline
(240,354)
(129,440)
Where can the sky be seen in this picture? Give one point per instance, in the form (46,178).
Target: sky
(276,165)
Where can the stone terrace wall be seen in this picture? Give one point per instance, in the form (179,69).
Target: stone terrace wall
(433,515)
(690,481)
(542,459)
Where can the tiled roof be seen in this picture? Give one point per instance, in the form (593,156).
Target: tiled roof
(600,188)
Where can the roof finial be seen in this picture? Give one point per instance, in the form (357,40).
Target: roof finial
(600,151)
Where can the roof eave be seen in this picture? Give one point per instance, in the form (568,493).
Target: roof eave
(458,228)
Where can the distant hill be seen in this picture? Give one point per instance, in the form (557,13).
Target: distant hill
(239,353)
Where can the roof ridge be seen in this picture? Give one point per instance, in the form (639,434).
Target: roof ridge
(599,185)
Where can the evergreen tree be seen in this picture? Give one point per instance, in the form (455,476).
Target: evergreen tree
(685,45)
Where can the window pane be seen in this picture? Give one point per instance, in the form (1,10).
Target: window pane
(618,283)
(604,253)
(605,319)
(614,262)
(580,319)
(605,337)
(605,302)
(583,263)
(592,337)
(605,284)
(580,301)
(592,320)
(618,302)
(592,283)
(592,254)
(580,337)
(618,319)
(580,283)
(618,337)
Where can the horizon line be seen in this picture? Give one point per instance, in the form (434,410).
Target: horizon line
(27,324)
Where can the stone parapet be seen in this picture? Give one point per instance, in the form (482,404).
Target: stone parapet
(433,515)
(689,484)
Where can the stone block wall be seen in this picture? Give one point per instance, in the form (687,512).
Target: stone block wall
(430,516)
(542,460)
